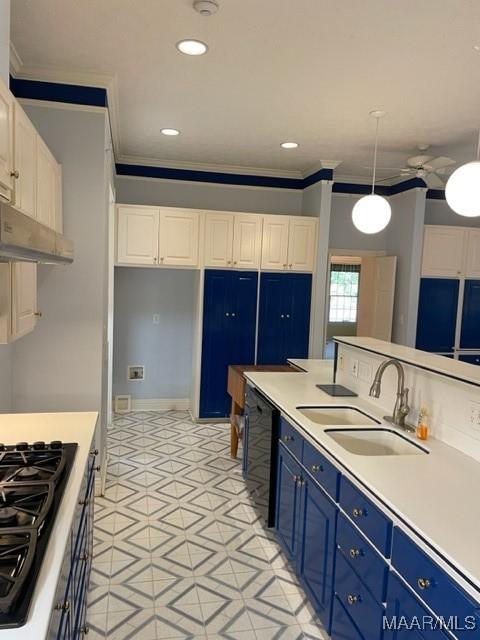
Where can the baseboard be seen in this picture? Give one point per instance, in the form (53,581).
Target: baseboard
(160,404)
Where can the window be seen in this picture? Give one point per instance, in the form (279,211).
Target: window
(344,283)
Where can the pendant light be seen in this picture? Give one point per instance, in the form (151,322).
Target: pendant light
(372,213)
(462,190)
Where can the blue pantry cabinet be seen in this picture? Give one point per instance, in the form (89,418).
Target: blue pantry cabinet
(470,333)
(229,321)
(284,317)
(437,314)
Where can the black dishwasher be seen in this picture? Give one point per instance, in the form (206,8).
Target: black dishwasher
(260,443)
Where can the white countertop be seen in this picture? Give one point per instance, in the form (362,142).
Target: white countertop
(313,365)
(68,427)
(435,494)
(438,364)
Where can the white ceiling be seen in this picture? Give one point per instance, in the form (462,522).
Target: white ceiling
(307,70)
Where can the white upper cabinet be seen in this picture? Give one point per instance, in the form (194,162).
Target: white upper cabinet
(24,298)
(301,244)
(472,267)
(247,241)
(59,200)
(218,239)
(444,250)
(179,237)
(25,164)
(275,242)
(46,192)
(138,234)
(6,143)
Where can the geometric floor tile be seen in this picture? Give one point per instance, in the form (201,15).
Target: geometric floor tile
(179,550)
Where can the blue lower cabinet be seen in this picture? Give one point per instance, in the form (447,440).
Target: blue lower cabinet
(363,609)
(406,618)
(343,627)
(437,314)
(470,332)
(316,549)
(288,501)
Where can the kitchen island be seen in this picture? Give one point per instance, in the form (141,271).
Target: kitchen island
(76,428)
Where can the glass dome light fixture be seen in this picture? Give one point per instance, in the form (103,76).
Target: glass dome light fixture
(372,213)
(462,191)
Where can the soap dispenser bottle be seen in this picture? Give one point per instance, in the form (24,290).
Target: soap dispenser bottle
(422,425)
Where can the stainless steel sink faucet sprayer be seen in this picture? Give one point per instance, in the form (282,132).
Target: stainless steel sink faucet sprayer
(401,408)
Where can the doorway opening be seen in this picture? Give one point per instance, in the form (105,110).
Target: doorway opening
(343,293)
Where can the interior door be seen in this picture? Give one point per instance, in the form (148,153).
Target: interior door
(179,237)
(376,297)
(6,142)
(138,235)
(25,163)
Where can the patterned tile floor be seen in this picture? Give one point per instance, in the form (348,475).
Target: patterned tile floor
(179,551)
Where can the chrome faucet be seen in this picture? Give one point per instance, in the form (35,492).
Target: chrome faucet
(401,408)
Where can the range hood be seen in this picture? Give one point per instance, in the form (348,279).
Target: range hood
(24,239)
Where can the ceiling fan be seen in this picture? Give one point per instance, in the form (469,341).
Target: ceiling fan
(429,168)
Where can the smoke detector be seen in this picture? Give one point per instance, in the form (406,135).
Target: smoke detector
(206,7)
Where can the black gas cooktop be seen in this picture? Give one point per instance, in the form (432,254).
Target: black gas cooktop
(32,482)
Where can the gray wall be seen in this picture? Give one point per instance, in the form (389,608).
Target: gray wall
(438,212)
(343,235)
(166,348)
(59,366)
(199,195)
(405,240)
(5,41)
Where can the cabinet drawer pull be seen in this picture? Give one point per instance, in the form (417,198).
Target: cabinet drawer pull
(317,467)
(354,553)
(358,513)
(63,606)
(351,599)
(287,438)
(98,468)
(424,583)
(94,452)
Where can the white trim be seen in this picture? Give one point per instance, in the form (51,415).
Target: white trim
(62,105)
(16,62)
(160,404)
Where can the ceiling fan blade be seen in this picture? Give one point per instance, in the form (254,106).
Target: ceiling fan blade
(433,181)
(401,169)
(418,161)
(441,162)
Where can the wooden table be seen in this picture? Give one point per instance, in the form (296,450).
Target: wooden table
(236,389)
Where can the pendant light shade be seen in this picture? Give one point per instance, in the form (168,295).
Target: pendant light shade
(372,213)
(462,190)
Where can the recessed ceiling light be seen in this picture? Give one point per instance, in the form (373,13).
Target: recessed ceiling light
(192,47)
(289,145)
(170,132)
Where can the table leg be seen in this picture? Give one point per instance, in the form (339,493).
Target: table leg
(236,410)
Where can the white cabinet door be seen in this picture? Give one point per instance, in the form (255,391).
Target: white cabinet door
(25,165)
(59,199)
(302,243)
(275,242)
(6,142)
(218,239)
(443,251)
(138,235)
(472,268)
(179,237)
(247,241)
(46,185)
(24,298)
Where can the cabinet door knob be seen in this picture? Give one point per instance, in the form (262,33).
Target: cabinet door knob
(354,553)
(288,315)
(234,262)
(290,266)
(227,315)
(98,468)
(351,599)
(233,315)
(155,261)
(295,478)
(15,174)
(358,513)
(94,452)
(85,630)
(63,606)
(316,468)
(285,265)
(84,503)
(424,583)
(84,557)
(282,315)
(38,314)
(300,482)
(287,438)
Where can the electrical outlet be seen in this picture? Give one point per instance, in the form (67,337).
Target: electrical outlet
(474,417)
(156,318)
(354,368)
(365,371)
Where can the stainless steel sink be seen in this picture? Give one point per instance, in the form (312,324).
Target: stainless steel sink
(336,415)
(375,442)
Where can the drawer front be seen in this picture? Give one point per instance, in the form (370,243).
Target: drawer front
(435,587)
(363,558)
(343,627)
(321,469)
(374,524)
(406,618)
(357,600)
(291,438)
